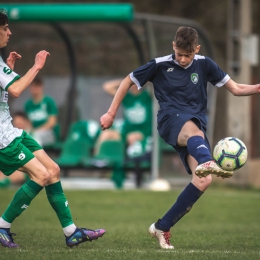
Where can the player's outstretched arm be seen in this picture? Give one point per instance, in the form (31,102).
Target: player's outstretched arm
(111,86)
(13,56)
(107,119)
(21,84)
(242,89)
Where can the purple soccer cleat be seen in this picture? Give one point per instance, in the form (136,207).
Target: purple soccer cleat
(6,238)
(82,235)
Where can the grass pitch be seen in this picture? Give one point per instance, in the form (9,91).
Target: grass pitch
(224,224)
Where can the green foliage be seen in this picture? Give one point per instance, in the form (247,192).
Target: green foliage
(224,224)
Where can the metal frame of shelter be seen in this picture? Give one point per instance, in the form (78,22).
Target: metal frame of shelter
(123,15)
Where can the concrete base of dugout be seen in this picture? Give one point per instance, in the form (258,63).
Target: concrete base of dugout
(86,183)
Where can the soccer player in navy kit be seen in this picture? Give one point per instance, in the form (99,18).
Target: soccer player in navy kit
(180,86)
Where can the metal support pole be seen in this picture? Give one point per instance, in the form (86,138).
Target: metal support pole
(72,92)
(152,54)
(238,110)
(136,41)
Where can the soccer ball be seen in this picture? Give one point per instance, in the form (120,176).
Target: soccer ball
(230,153)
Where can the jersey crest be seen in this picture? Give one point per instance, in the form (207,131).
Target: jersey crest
(194,78)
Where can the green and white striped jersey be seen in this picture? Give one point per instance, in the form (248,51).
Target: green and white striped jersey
(7,131)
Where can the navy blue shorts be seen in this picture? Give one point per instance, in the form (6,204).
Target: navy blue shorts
(169,127)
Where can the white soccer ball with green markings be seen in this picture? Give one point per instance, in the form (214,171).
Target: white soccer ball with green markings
(230,153)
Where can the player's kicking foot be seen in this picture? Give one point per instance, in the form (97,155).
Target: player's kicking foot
(6,239)
(82,235)
(162,237)
(211,167)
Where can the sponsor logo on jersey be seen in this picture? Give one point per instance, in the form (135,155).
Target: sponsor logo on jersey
(7,71)
(194,78)
(3,96)
(170,69)
(66,203)
(24,206)
(21,156)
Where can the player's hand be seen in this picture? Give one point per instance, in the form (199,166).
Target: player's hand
(106,121)
(13,56)
(40,59)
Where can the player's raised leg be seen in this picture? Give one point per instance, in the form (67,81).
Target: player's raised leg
(192,137)
(59,203)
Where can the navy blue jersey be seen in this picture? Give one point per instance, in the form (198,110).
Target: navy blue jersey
(182,90)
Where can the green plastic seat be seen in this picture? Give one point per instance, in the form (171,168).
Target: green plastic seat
(164,147)
(111,153)
(78,145)
(57,145)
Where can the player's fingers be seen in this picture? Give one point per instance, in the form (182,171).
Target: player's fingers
(18,56)
(43,52)
(102,126)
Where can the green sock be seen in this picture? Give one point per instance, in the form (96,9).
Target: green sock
(59,203)
(4,183)
(21,200)
(118,176)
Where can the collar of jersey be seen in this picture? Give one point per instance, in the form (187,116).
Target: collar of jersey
(175,61)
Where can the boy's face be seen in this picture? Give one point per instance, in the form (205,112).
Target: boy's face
(4,35)
(21,122)
(36,90)
(183,57)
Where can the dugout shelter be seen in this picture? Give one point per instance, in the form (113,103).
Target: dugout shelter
(147,33)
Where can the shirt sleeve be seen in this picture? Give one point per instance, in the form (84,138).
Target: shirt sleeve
(7,76)
(145,73)
(216,76)
(52,107)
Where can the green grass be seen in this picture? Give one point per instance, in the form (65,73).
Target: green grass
(224,224)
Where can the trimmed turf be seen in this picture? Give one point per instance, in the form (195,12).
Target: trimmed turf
(224,224)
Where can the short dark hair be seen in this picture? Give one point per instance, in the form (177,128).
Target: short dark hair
(37,81)
(20,114)
(186,38)
(3,17)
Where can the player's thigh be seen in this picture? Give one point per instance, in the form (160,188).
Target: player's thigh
(17,177)
(189,129)
(2,176)
(134,137)
(109,134)
(47,162)
(36,170)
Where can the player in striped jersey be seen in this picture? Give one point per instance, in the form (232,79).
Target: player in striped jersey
(19,151)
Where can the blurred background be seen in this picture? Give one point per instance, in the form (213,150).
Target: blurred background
(85,54)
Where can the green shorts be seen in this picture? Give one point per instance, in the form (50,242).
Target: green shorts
(17,153)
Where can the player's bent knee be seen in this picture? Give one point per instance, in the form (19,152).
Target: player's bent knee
(54,171)
(43,178)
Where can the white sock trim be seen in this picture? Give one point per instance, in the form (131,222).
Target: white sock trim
(4,224)
(69,230)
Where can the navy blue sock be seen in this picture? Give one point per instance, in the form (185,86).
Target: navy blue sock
(182,206)
(198,148)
